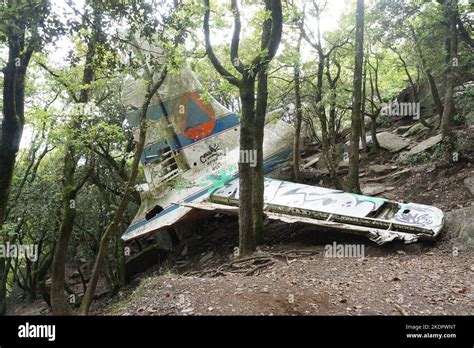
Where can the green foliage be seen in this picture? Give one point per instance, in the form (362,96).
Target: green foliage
(464,101)
(415,129)
(421,157)
(449,151)
(384,120)
(444,152)
(8,230)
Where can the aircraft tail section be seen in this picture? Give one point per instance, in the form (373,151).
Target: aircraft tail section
(191,148)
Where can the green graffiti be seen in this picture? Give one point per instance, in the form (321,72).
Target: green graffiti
(218,180)
(375,200)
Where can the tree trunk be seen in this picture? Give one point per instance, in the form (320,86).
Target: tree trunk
(59,302)
(446,118)
(257,171)
(435,93)
(116,221)
(431,80)
(39,274)
(375,111)
(247,242)
(299,115)
(258,134)
(251,136)
(12,130)
(362,116)
(332,125)
(353,176)
(373,132)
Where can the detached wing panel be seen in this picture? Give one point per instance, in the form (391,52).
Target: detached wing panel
(381,220)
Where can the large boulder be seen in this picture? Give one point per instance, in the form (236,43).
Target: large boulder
(387,140)
(425,145)
(391,142)
(459,226)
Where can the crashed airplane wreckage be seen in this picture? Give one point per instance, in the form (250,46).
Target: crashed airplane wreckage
(190,162)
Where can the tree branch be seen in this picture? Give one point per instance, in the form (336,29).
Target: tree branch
(60,80)
(234,46)
(210,52)
(276,30)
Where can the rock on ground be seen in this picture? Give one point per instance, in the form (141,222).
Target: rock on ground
(459,226)
(425,145)
(391,142)
(373,190)
(381,168)
(469,183)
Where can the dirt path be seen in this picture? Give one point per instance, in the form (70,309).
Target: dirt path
(413,280)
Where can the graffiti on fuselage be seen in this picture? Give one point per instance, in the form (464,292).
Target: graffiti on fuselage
(212,156)
(336,202)
(309,197)
(419,215)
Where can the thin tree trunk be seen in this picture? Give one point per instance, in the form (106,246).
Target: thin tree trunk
(362,116)
(257,171)
(435,93)
(431,80)
(374,111)
(59,301)
(258,135)
(332,126)
(353,176)
(116,221)
(299,114)
(373,131)
(446,119)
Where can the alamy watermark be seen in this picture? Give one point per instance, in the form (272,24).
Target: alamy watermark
(37,331)
(248,156)
(344,250)
(214,153)
(29,251)
(401,109)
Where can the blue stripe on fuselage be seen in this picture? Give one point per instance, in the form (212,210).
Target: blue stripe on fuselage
(181,141)
(271,164)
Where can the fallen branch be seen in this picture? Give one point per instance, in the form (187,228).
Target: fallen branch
(259,267)
(400,310)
